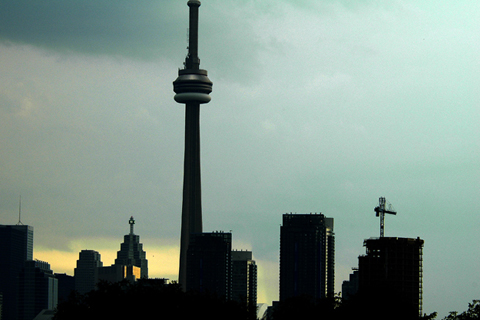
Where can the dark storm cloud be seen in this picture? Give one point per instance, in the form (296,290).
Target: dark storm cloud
(141,29)
(318,106)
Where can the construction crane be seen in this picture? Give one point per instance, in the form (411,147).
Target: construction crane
(383,207)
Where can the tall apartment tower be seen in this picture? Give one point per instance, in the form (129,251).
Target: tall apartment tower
(209,267)
(86,272)
(38,289)
(392,267)
(307,256)
(16,248)
(131,252)
(244,278)
(350,286)
(192,88)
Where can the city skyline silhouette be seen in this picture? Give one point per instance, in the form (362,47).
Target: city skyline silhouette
(317,107)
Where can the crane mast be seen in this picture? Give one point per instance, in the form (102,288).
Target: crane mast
(382,208)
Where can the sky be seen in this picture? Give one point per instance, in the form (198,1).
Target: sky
(317,106)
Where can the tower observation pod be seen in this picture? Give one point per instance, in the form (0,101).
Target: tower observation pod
(192,84)
(192,88)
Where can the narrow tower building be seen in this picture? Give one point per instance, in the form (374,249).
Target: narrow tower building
(192,88)
(244,278)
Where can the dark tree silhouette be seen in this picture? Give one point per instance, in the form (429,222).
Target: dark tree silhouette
(145,299)
(361,306)
(473,312)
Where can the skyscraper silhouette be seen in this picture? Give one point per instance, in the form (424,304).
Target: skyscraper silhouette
(392,267)
(16,248)
(209,266)
(307,256)
(131,252)
(244,278)
(38,289)
(86,272)
(192,87)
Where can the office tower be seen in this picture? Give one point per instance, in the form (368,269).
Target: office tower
(192,87)
(38,289)
(16,248)
(392,267)
(209,264)
(66,284)
(350,286)
(86,272)
(131,252)
(307,256)
(118,272)
(244,278)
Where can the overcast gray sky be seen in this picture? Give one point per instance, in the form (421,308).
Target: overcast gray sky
(317,106)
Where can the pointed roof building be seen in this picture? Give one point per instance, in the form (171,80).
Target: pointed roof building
(131,252)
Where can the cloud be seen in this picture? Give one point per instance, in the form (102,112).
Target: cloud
(317,106)
(141,29)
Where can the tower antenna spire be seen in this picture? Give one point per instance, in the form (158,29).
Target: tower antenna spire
(192,61)
(131,222)
(20,212)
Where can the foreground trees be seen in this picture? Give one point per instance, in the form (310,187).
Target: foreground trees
(361,307)
(473,312)
(148,299)
(145,299)
(357,307)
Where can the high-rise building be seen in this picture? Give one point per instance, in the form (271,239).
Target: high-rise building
(38,289)
(118,272)
(66,284)
(244,278)
(307,256)
(86,272)
(16,248)
(209,267)
(131,252)
(350,286)
(393,267)
(192,88)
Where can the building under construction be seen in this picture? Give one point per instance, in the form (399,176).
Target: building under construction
(392,267)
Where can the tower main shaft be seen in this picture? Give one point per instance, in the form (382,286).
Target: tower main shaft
(192,87)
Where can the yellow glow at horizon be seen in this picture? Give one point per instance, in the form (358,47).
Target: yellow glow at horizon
(163,262)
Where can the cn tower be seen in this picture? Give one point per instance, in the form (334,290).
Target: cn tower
(192,87)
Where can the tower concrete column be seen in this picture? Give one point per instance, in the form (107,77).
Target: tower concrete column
(192,88)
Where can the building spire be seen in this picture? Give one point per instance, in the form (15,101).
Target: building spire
(20,212)
(131,222)
(192,61)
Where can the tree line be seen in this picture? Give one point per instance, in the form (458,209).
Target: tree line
(146,299)
(362,306)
